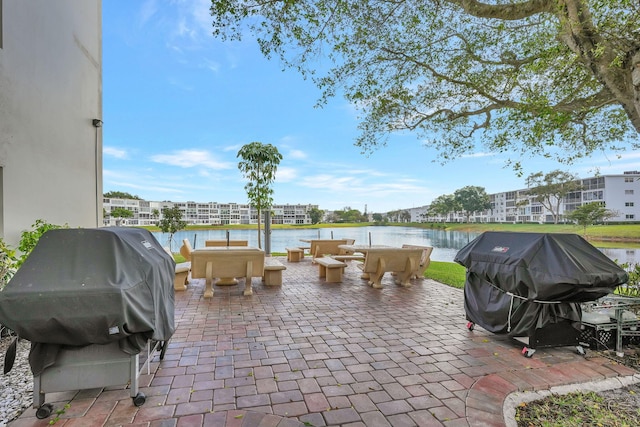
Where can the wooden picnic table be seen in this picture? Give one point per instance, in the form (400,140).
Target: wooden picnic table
(402,263)
(362,249)
(227,281)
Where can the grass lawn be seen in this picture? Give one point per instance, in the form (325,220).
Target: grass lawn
(449,273)
(624,232)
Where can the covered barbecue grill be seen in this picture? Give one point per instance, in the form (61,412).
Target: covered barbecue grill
(530,285)
(90,300)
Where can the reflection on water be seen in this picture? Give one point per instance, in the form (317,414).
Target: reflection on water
(445,243)
(631,256)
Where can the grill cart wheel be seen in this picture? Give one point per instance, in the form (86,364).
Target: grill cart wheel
(470,326)
(44,411)
(580,350)
(163,348)
(139,399)
(528,352)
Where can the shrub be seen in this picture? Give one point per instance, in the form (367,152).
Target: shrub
(9,261)
(29,239)
(632,287)
(7,264)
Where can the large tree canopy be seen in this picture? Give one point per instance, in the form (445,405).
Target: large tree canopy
(544,77)
(550,189)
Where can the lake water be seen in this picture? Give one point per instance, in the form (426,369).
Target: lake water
(445,243)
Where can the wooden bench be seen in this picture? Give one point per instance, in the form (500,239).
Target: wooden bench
(272,272)
(330,269)
(225,242)
(425,260)
(354,257)
(401,261)
(295,254)
(182,276)
(181,279)
(186,249)
(209,264)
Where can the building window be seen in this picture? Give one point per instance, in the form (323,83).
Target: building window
(629,204)
(574,197)
(628,192)
(628,179)
(630,216)
(593,183)
(593,195)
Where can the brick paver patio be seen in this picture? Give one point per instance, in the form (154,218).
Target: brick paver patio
(311,353)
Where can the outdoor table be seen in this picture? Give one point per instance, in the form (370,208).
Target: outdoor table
(361,248)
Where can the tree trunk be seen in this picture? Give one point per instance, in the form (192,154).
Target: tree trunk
(635,81)
(259,221)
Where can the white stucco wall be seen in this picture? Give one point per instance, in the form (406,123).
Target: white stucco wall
(623,196)
(50,92)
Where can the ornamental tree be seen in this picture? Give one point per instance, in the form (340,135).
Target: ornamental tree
(171,222)
(472,199)
(119,214)
(589,214)
(259,164)
(443,206)
(543,77)
(316,215)
(549,189)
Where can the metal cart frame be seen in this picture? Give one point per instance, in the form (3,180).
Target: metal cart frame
(624,328)
(93,366)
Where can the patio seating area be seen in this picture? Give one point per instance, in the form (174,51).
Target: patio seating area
(316,353)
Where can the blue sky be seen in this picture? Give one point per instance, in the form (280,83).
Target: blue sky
(179,104)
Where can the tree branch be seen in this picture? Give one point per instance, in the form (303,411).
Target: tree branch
(507,12)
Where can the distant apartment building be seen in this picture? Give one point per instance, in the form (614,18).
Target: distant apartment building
(617,193)
(50,114)
(210,213)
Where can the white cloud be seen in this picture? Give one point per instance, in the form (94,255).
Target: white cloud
(147,188)
(148,9)
(286,174)
(118,153)
(476,155)
(211,65)
(193,20)
(332,182)
(611,163)
(235,147)
(180,84)
(200,12)
(366,172)
(297,154)
(192,158)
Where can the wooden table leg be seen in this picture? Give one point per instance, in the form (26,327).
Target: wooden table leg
(208,287)
(248,290)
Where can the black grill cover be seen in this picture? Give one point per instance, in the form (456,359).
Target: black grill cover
(549,275)
(92,286)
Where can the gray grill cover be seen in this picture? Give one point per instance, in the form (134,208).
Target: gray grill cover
(538,267)
(92,286)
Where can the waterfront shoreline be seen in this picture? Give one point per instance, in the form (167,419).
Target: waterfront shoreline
(618,233)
